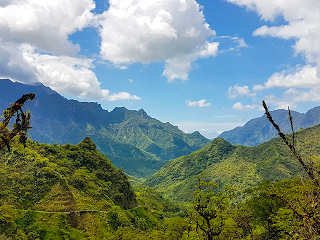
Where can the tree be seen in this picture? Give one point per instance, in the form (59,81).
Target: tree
(209,206)
(21,125)
(302,198)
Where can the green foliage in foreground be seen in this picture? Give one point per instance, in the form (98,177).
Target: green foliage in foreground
(73,192)
(238,167)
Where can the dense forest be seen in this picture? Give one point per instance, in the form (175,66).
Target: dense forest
(50,191)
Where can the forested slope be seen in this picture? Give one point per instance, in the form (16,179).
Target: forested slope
(236,166)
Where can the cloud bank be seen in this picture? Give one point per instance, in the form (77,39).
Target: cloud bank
(170,31)
(34,46)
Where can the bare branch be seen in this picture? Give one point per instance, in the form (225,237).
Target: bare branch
(292,128)
(308,169)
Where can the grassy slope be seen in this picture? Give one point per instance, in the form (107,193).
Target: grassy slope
(236,166)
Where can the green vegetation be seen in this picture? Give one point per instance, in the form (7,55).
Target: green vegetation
(141,144)
(219,192)
(73,192)
(238,167)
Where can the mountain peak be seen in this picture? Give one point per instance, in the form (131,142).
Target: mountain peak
(196,133)
(133,140)
(260,130)
(36,87)
(143,113)
(119,109)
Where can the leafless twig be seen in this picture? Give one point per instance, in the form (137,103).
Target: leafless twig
(307,168)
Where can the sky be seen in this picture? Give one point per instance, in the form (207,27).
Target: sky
(201,65)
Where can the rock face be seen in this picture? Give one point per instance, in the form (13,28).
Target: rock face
(260,130)
(132,139)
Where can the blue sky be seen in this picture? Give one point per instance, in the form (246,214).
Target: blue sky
(201,65)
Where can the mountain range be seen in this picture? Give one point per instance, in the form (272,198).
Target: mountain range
(239,167)
(260,130)
(132,139)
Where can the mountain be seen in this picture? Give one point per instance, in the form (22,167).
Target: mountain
(133,140)
(69,192)
(61,178)
(236,166)
(260,130)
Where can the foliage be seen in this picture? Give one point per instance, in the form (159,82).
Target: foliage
(74,192)
(209,210)
(21,125)
(239,167)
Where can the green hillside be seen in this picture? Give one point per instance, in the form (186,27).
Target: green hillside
(239,167)
(74,192)
(41,173)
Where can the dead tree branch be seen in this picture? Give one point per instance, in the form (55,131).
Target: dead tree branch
(307,168)
(21,125)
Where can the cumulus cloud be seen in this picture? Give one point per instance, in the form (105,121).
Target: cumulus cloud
(292,97)
(170,31)
(201,103)
(45,25)
(239,91)
(302,24)
(240,107)
(34,46)
(297,96)
(302,77)
(280,102)
(70,76)
(13,64)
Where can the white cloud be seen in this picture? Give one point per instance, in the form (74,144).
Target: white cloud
(293,96)
(240,107)
(297,96)
(201,103)
(302,77)
(239,91)
(70,76)
(281,102)
(302,24)
(172,31)
(241,42)
(34,46)
(13,65)
(45,25)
